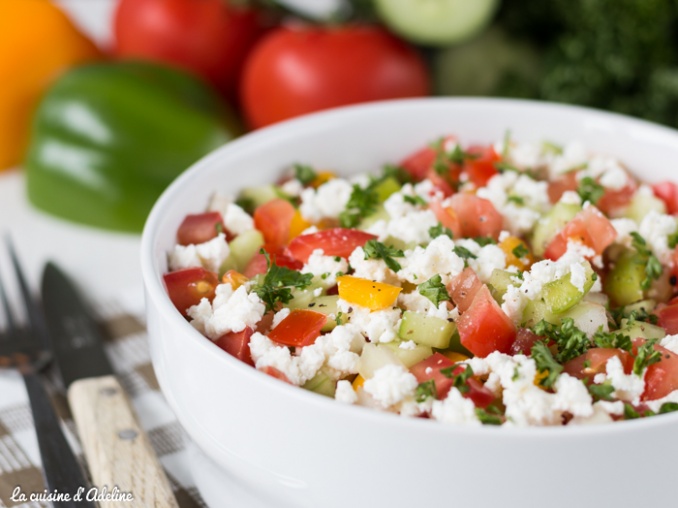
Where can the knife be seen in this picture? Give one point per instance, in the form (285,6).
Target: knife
(117,449)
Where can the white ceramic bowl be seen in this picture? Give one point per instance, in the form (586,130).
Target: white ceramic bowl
(298,449)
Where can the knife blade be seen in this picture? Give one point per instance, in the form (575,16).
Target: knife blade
(118,451)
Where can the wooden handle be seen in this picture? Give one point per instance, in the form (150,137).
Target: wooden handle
(117,449)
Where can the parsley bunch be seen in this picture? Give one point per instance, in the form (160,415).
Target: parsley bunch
(304,173)
(570,340)
(361,203)
(590,190)
(276,286)
(543,357)
(653,268)
(434,290)
(647,355)
(377,250)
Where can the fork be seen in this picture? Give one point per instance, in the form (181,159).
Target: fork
(27,348)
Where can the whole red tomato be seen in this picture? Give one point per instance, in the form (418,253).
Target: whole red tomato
(208,37)
(297,70)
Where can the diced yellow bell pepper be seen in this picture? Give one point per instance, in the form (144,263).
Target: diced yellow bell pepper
(367,293)
(358,382)
(455,357)
(322,177)
(509,245)
(234,278)
(298,225)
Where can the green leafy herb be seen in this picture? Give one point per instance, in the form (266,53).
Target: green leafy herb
(439,230)
(487,418)
(340,318)
(640,314)
(278,283)
(612,340)
(484,240)
(246,204)
(377,250)
(363,202)
(630,412)
(458,380)
(502,167)
(415,200)
(400,174)
(425,390)
(570,340)
(519,200)
(590,190)
(668,407)
(673,240)
(542,356)
(304,173)
(434,290)
(463,252)
(601,392)
(653,268)
(647,355)
(459,156)
(520,250)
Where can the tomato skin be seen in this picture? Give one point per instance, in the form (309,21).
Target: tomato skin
(594,361)
(188,286)
(258,264)
(484,327)
(481,169)
(420,164)
(463,288)
(661,378)
(237,344)
(273,372)
(613,200)
(525,339)
(274,220)
(340,65)
(589,227)
(201,227)
(477,216)
(557,187)
(334,242)
(300,328)
(209,38)
(668,193)
(446,216)
(668,318)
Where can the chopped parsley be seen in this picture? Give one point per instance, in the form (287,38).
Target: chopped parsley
(464,253)
(425,390)
(278,283)
(630,412)
(363,202)
(502,167)
(640,314)
(489,416)
(668,407)
(570,340)
(458,380)
(647,355)
(304,173)
(414,200)
(520,250)
(377,250)
(653,268)
(434,290)
(543,357)
(439,230)
(443,159)
(612,340)
(590,190)
(484,240)
(459,156)
(673,240)
(400,174)
(602,391)
(518,200)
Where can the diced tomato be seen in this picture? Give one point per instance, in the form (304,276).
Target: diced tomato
(463,288)
(668,193)
(661,378)
(525,339)
(237,344)
(589,227)
(300,328)
(273,372)
(668,318)
(484,327)
(481,168)
(447,217)
(333,242)
(477,216)
(442,182)
(594,362)
(430,369)
(258,265)
(188,286)
(557,187)
(419,164)
(274,220)
(200,228)
(613,200)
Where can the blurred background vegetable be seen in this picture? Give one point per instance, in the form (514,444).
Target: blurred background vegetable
(37,42)
(109,137)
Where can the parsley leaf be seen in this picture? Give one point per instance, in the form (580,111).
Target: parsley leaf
(425,390)
(630,412)
(647,355)
(487,418)
(570,340)
(278,283)
(640,314)
(612,340)
(668,407)
(590,190)
(653,268)
(484,240)
(673,240)
(377,250)
(458,380)
(601,392)
(459,156)
(520,250)
(518,200)
(304,173)
(434,290)
(414,200)
(464,253)
(400,174)
(439,230)
(362,202)
(502,167)
(542,356)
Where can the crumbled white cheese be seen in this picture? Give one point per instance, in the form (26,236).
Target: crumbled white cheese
(325,202)
(570,198)
(391,384)
(210,255)
(237,220)
(230,311)
(325,268)
(628,387)
(408,345)
(378,325)
(606,170)
(279,316)
(410,228)
(670,342)
(437,258)
(487,258)
(624,228)
(573,156)
(455,409)
(345,393)
(372,269)
(292,187)
(655,228)
(656,404)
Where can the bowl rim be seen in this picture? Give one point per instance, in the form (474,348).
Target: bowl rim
(156,294)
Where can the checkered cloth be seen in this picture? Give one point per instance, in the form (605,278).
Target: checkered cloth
(127,347)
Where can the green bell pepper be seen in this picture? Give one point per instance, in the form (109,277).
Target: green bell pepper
(109,137)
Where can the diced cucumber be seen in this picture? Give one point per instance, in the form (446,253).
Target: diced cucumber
(436,23)
(561,295)
(302,298)
(379,214)
(397,243)
(588,317)
(641,329)
(252,197)
(641,204)
(499,282)
(409,357)
(552,222)
(375,357)
(641,306)
(426,330)
(322,384)
(535,311)
(327,305)
(386,187)
(243,248)
(623,282)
